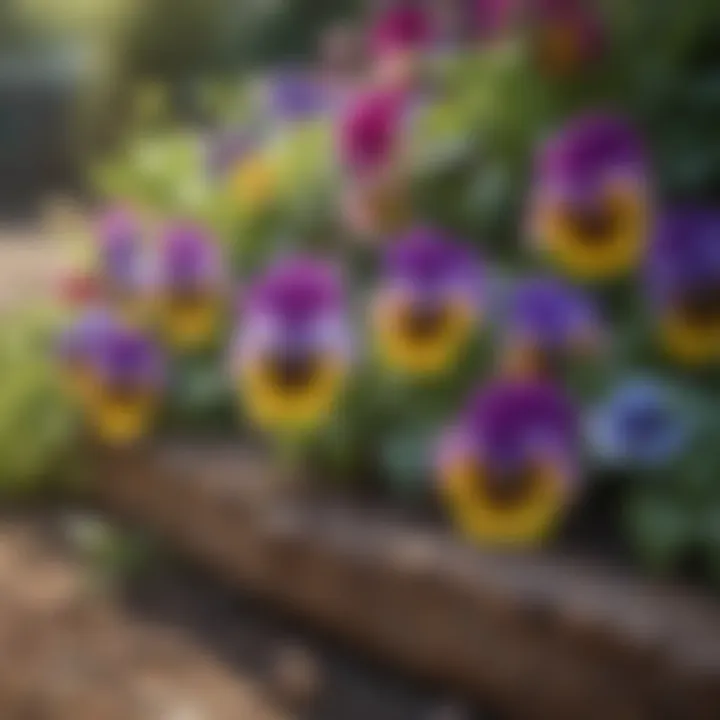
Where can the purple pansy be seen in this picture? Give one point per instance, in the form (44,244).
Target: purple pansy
(124,357)
(429,265)
(120,240)
(684,257)
(188,259)
(299,305)
(510,466)
(511,425)
(587,154)
(429,303)
(77,343)
(292,354)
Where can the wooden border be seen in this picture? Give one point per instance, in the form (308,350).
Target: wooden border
(536,636)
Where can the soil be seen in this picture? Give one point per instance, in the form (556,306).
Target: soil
(168,643)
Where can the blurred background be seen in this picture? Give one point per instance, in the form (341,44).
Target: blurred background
(69,71)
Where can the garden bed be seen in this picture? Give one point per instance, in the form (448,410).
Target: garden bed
(580,639)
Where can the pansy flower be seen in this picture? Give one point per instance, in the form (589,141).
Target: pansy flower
(128,376)
(565,35)
(75,346)
(188,284)
(547,324)
(590,208)
(399,36)
(120,258)
(370,133)
(428,304)
(683,281)
(641,424)
(509,468)
(291,356)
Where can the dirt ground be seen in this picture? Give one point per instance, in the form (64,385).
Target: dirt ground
(70,651)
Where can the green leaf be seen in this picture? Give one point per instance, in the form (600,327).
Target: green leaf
(659,529)
(406,459)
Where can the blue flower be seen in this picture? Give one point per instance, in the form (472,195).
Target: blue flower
(641,424)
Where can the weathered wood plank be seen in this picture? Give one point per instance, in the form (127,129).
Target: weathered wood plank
(539,636)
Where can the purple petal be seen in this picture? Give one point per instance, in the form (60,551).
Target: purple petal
(188,256)
(510,421)
(685,253)
(298,290)
(588,152)
(549,312)
(428,260)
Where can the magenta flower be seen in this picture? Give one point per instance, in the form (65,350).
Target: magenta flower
(406,26)
(371,129)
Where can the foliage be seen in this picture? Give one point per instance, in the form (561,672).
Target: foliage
(471,151)
(38,426)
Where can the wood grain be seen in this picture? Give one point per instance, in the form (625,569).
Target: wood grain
(539,636)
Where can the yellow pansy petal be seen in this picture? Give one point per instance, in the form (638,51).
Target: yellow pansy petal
(526,520)
(122,421)
(580,254)
(690,343)
(420,354)
(189,323)
(275,407)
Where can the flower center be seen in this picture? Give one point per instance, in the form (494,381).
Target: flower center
(593,224)
(122,394)
(424,321)
(701,306)
(645,424)
(293,371)
(550,361)
(507,489)
(187,298)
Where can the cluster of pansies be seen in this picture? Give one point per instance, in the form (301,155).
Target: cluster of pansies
(612,282)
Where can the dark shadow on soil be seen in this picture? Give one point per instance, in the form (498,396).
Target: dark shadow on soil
(319,679)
